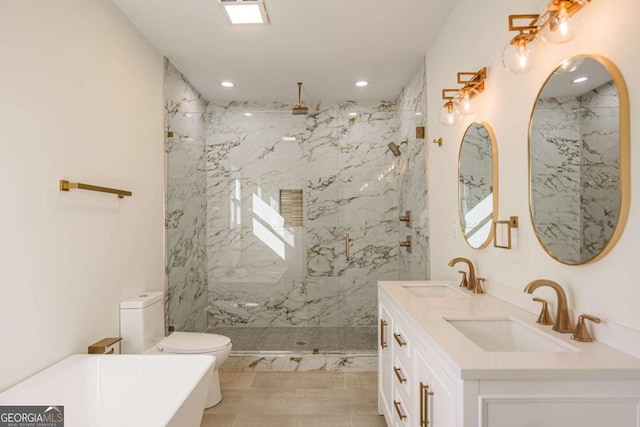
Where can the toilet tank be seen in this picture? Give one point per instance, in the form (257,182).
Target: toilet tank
(141,322)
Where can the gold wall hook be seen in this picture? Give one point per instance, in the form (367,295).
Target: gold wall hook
(545,316)
(582,333)
(438,141)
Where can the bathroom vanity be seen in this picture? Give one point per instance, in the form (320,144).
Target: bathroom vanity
(450,358)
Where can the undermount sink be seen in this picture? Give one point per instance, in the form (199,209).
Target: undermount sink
(434,291)
(507,334)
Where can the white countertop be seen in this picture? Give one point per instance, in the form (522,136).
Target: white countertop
(593,360)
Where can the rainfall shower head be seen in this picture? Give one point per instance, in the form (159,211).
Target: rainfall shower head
(299,108)
(395,148)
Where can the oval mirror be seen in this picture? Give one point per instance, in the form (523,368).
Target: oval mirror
(579,160)
(478,184)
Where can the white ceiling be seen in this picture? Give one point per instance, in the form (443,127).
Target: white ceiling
(560,83)
(326,44)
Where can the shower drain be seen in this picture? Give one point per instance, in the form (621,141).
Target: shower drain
(301,343)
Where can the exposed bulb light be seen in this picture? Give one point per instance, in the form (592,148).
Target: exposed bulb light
(362,83)
(227,83)
(581,79)
(448,115)
(463,100)
(460,101)
(520,53)
(559,21)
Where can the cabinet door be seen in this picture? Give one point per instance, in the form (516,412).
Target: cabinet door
(435,394)
(385,359)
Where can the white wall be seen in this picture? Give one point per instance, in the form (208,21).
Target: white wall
(473,37)
(81,99)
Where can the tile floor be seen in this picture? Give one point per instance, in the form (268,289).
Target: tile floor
(296,399)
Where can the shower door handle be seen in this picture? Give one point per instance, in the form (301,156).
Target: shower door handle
(347,243)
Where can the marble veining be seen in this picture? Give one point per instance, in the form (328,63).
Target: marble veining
(185,220)
(231,261)
(411,172)
(302,362)
(342,165)
(574,165)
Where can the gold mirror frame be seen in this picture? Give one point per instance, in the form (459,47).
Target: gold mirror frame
(624,159)
(494,177)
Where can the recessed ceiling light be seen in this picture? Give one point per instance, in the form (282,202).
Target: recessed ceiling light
(362,83)
(288,138)
(248,114)
(227,84)
(418,113)
(244,11)
(580,79)
(353,114)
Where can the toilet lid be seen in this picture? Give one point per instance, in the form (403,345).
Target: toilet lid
(193,342)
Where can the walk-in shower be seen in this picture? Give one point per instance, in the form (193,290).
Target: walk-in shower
(279,226)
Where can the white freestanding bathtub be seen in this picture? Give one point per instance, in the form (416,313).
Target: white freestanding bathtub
(121,390)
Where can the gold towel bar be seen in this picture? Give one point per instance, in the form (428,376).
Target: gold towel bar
(66,186)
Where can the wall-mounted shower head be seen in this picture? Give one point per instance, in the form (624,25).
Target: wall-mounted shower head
(395,148)
(299,108)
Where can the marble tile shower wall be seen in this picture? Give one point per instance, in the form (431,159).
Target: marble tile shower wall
(186,203)
(477,164)
(412,179)
(576,162)
(262,272)
(599,167)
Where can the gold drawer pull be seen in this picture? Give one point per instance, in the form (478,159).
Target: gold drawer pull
(383,344)
(399,339)
(398,372)
(398,410)
(424,404)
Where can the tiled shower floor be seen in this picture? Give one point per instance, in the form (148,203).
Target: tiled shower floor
(299,339)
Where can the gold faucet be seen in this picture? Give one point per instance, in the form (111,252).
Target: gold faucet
(472,272)
(562,323)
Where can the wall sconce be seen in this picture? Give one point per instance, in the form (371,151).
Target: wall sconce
(448,115)
(556,23)
(460,101)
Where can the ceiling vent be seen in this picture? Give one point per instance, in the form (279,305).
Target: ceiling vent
(241,12)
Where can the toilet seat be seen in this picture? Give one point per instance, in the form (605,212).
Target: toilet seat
(194,343)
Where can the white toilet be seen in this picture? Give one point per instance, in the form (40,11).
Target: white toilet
(142,331)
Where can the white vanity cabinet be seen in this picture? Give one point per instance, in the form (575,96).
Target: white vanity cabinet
(428,372)
(385,363)
(435,397)
(413,388)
